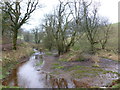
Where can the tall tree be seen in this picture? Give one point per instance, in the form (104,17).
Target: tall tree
(104,32)
(61,28)
(13,9)
(49,26)
(90,24)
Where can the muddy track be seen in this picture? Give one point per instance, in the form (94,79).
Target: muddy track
(95,81)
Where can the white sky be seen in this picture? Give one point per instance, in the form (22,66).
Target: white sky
(108,8)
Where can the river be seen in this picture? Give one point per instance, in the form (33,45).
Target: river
(31,75)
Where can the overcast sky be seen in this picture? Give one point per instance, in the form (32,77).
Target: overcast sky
(108,8)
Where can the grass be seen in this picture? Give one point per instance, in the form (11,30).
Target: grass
(72,56)
(57,66)
(83,68)
(10,58)
(63,59)
(112,44)
(89,72)
(74,68)
(83,71)
(12,88)
(48,53)
(116,86)
(95,65)
(108,55)
(105,72)
(40,63)
(116,83)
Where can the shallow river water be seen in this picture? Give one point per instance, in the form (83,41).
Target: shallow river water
(28,76)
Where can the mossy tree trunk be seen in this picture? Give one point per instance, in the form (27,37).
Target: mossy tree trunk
(13,9)
(15,39)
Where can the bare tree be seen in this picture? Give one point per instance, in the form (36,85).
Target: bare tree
(104,32)
(49,26)
(36,35)
(26,36)
(77,14)
(14,11)
(90,24)
(60,26)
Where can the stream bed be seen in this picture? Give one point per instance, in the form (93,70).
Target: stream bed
(28,76)
(31,75)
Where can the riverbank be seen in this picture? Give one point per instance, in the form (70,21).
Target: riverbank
(12,58)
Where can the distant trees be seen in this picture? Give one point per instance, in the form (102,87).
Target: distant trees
(27,36)
(70,21)
(36,32)
(17,19)
(49,27)
(60,28)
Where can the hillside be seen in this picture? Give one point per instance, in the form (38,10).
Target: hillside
(111,46)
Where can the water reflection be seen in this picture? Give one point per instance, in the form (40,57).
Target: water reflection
(28,76)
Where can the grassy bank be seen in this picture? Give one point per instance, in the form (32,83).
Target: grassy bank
(111,49)
(11,58)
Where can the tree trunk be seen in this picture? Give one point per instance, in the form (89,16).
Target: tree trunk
(15,39)
(103,47)
(2,32)
(92,48)
(67,49)
(58,52)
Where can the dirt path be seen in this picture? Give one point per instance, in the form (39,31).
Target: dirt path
(49,60)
